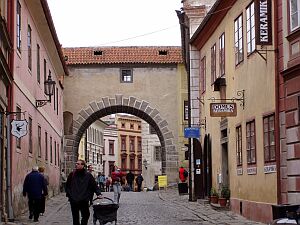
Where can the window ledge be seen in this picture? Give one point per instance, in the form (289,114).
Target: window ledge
(293,35)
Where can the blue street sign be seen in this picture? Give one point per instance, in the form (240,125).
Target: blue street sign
(192,132)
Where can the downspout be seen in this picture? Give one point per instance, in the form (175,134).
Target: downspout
(10,16)
(185,38)
(277,111)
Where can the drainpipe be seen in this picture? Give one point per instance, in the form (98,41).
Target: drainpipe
(277,111)
(185,38)
(10,26)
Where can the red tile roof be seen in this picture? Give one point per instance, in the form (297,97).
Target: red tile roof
(119,55)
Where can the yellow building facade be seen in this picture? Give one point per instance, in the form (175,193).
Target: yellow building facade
(237,103)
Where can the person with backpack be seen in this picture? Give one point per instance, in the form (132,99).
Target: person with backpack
(183,174)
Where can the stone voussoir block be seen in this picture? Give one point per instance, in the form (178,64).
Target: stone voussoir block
(163,124)
(148,110)
(169,142)
(131,101)
(144,105)
(168,135)
(94,106)
(112,101)
(80,119)
(137,104)
(119,99)
(154,113)
(157,119)
(100,105)
(165,130)
(106,101)
(125,101)
(84,114)
(89,111)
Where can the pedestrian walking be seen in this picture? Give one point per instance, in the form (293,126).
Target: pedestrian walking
(107,184)
(183,174)
(80,189)
(34,187)
(101,181)
(63,180)
(130,179)
(43,199)
(139,180)
(117,177)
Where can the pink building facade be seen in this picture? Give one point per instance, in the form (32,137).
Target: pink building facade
(37,55)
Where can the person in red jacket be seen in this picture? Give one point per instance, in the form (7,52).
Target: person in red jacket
(117,177)
(183,174)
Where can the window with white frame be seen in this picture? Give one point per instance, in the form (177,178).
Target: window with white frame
(18,26)
(251,142)
(222,55)
(29,47)
(203,74)
(238,136)
(38,65)
(269,138)
(46,146)
(126,76)
(250,20)
(30,146)
(294,14)
(213,63)
(238,40)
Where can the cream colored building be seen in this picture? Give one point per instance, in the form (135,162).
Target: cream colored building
(111,143)
(130,143)
(151,149)
(233,69)
(91,146)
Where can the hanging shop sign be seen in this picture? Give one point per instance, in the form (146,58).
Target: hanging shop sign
(263,19)
(19,128)
(223,109)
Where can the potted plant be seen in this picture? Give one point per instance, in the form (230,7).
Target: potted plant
(225,195)
(214,196)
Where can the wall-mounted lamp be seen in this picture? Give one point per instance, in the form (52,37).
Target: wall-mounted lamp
(49,85)
(145,162)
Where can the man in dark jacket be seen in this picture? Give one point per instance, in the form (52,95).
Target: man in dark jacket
(130,178)
(139,180)
(34,187)
(80,188)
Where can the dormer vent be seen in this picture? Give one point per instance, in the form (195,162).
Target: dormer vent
(98,52)
(162,52)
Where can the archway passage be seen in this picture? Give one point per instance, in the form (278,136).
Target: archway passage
(130,105)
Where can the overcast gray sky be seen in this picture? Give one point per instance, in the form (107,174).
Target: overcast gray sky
(85,23)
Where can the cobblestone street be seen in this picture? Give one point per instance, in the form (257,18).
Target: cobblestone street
(144,208)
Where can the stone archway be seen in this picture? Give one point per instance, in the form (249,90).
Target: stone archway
(130,105)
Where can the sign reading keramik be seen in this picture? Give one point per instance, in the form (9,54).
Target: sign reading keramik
(263,22)
(222,109)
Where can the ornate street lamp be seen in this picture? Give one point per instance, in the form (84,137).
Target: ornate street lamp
(49,86)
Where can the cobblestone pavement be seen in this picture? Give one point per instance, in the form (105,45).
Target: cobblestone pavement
(144,208)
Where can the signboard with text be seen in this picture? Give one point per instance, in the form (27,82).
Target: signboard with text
(263,22)
(192,132)
(223,109)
